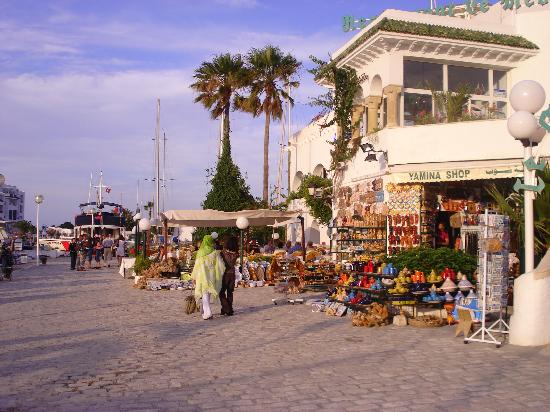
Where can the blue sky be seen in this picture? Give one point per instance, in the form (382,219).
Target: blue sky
(79,82)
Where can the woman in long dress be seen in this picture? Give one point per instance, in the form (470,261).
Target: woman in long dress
(207,274)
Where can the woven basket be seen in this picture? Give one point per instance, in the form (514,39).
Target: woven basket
(426,322)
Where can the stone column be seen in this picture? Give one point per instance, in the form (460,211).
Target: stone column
(373,105)
(356,115)
(393,93)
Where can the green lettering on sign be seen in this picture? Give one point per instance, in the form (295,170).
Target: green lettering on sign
(348,23)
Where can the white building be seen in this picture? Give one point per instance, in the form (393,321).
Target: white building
(12,202)
(417,162)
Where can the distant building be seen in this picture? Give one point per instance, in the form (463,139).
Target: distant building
(12,202)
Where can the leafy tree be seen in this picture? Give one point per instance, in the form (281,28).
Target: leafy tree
(270,74)
(320,206)
(128,219)
(24,226)
(66,225)
(512,206)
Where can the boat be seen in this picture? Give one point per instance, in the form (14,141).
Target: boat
(100,217)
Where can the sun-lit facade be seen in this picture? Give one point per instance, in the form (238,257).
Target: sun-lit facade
(407,62)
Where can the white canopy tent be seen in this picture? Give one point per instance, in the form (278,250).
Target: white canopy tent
(217,218)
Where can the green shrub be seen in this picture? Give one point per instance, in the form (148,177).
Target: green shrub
(141,264)
(425,259)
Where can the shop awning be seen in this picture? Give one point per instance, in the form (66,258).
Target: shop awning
(455,171)
(217,218)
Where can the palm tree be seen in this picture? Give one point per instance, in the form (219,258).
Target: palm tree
(149,207)
(217,83)
(271,73)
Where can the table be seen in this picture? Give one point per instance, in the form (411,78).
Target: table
(127,264)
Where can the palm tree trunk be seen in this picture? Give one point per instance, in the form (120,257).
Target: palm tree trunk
(266,160)
(226,145)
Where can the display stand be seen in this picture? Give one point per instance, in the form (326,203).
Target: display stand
(494,271)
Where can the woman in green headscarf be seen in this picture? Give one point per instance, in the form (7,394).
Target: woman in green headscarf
(207,274)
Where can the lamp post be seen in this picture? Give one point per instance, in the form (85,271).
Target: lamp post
(136,218)
(242,224)
(38,199)
(527,97)
(144,226)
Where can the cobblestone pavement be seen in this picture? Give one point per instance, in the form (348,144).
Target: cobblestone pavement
(89,341)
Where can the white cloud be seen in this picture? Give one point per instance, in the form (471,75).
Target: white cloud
(59,128)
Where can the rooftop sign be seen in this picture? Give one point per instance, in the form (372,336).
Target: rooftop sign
(471,7)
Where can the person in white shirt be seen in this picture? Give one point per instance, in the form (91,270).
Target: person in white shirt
(108,249)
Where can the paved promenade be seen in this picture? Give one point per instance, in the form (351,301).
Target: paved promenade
(89,341)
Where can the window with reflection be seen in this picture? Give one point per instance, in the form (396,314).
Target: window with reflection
(418,109)
(500,86)
(499,110)
(422,75)
(475,78)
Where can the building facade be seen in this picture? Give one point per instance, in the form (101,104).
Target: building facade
(423,159)
(12,202)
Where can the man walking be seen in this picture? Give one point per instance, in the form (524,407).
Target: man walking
(73,252)
(108,249)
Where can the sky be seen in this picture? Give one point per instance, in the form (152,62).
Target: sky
(79,82)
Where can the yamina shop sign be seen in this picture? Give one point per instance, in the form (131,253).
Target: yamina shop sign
(457,174)
(471,7)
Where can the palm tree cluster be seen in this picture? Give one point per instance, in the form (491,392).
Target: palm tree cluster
(257,83)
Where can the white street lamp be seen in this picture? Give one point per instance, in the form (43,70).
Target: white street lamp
(527,97)
(137,216)
(144,225)
(529,323)
(275,236)
(242,223)
(38,199)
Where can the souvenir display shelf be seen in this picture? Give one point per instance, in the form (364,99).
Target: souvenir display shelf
(350,240)
(493,281)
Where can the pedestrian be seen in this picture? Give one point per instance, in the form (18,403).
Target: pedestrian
(98,249)
(81,254)
(296,248)
(207,274)
(270,247)
(442,236)
(6,261)
(73,252)
(230,255)
(108,249)
(89,251)
(120,251)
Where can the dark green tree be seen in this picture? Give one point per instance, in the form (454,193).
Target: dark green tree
(66,225)
(24,226)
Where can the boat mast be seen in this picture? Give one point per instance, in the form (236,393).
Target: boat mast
(163,170)
(157,164)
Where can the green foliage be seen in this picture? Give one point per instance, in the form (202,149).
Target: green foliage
(24,226)
(319,207)
(149,206)
(128,219)
(66,225)
(451,103)
(338,101)
(430,30)
(512,206)
(427,259)
(142,263)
